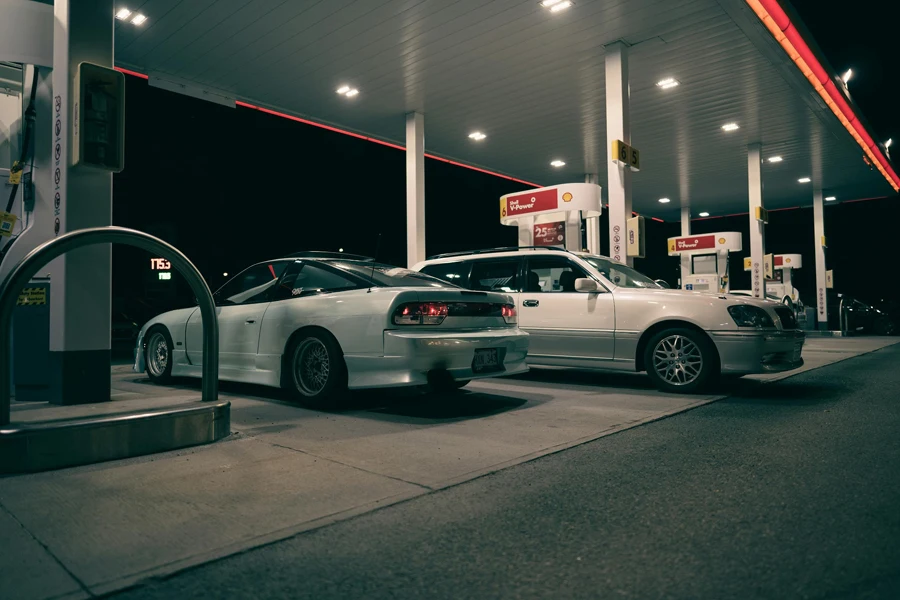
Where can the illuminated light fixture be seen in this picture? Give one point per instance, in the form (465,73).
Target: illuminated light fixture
(343,89)
(340,249)
(123,14)
(667,83)
(888,143)
(477,136)
(775,159)
(558,163)
(730,126)
(224,274)
(138,19)
(556,5)
(830,198)
(804,180)
(704,214)
(664,200)
(352,93)
(346,90)
(846,76)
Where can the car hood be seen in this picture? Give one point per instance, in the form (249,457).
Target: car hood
(704,297)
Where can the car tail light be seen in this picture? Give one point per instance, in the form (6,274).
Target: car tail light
(424,313)
(509,314)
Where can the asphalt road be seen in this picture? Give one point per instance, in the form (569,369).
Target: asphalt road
(788,490)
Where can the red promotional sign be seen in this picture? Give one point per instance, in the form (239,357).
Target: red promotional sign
(695,242)
(550,234)
(531,202)
(779,261)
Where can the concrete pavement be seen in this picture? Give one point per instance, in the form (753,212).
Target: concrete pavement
(96,529)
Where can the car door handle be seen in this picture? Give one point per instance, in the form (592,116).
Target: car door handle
(250,321)
(531,303)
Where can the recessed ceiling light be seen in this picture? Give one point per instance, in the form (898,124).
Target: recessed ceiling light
(138,19)
(804,180)
(352,93)
(664,200)
(831,197)
(123,14)
(556,5)
(557,163)
(704,214)
(667,83)
(477,136)
(846,76)
(730,126)
(343,89)
(775,159)
(224,274)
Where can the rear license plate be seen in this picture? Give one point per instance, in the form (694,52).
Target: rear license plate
(486,360)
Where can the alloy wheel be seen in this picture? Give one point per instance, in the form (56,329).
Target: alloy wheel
(312,366)
(677,360)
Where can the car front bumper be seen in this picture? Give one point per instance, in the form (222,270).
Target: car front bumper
(409,357)
(746,352)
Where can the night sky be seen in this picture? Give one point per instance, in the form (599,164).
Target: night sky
(231,187)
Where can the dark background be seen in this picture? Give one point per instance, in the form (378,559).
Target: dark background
(230,187)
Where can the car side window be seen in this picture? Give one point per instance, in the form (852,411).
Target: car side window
(251,285)
(456,273)
(306,278)
(501,275)
(552,274)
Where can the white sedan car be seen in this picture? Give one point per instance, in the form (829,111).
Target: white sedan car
(588,311)
(317,326)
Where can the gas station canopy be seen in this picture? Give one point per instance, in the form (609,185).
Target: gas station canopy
(532,81)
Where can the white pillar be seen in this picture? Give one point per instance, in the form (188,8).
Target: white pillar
(415,188)
(757,228)
(592,224)
(618,127)
(819,233)
(685,231)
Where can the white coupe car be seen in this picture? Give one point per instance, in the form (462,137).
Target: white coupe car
(588,311)
(319,325)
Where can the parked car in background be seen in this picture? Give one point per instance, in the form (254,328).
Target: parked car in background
(862,318)
(318,326)
(587,311)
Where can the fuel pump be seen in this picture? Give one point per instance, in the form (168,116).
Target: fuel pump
(778,277)
(551,216)
(708,265)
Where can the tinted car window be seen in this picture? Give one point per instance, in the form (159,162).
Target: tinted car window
(251,285)
(500,275)
(381,275)
(552,274)
(307,278)
(455,272)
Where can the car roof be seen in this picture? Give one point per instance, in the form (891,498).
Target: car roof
(504,253)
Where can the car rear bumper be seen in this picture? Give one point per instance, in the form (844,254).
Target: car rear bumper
(745,352)
(409,356)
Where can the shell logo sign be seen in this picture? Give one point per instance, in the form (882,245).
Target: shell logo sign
(567,197)
(721,241)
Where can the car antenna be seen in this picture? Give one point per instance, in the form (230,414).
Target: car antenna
(374,262)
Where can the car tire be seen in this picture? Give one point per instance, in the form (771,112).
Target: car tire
(681,361)
(158,354)
(315,371)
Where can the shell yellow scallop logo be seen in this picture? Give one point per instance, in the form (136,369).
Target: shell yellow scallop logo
(721,240)
(567,197)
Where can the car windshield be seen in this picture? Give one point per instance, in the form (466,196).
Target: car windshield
(619,274)
(381,275)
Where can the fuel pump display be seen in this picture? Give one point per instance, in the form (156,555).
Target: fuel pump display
(708,253)
(780,283)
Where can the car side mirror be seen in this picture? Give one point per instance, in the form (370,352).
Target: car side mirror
(585,284)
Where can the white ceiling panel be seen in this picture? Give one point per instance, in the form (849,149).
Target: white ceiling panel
(531,80)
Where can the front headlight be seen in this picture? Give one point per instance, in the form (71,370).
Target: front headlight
(750,316)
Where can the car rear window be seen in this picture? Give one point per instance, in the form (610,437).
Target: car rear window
(382,275)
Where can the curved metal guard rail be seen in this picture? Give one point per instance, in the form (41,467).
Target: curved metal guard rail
(22,273)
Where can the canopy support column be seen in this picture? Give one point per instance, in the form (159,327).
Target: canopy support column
(618,127)
(821,269)
(415,188)
(757,227)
